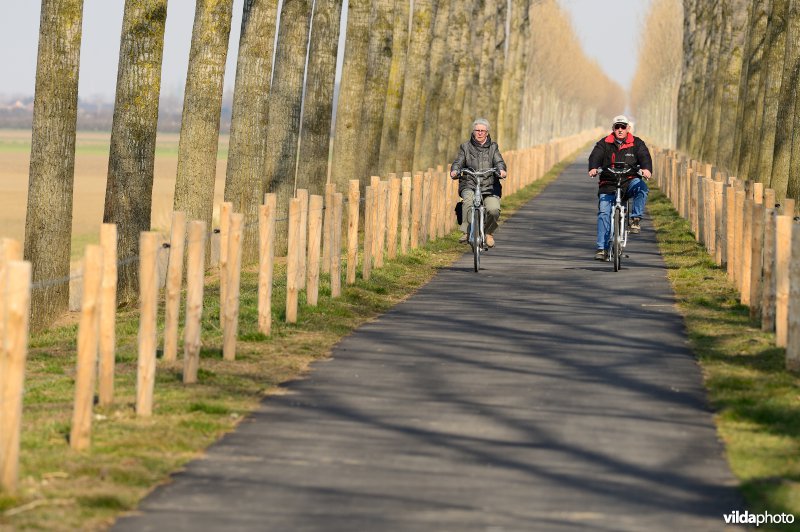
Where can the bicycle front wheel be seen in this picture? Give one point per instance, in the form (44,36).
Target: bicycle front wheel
(477,240)
(616,240)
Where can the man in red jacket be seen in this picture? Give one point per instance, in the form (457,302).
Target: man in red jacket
(618,147)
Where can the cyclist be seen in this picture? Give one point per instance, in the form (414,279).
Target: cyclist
(480,153)
(619,147)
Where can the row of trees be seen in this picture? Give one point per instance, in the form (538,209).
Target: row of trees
(414,77)
(737,102)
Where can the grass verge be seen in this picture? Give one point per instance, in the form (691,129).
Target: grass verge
(65,490)
(757,402)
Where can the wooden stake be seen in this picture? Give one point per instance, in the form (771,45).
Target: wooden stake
(108,314)
(194,300)
(353,206)
(302,195)
(88,328)
(148,311)
(225,210)
(15,291)
(292,264)
(314,244)
(266,261)
(231,330)
(393,217)
(416,211)
(756,261)
(330,190)
(174,285)
(783,253)
(366,259)
(768,279)
(380,234)
(793,310)
(336,250)
(747,251)
(405,214)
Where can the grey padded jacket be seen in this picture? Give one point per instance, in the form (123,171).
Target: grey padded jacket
(476,157)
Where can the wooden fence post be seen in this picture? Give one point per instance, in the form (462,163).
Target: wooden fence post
(266,261)
(405,214)
(330,190)
(234,277)
(747,252)
(174,284)
(195,277)
(768,282)
(730,230)
(756,261)
(719,223)
(416,210)
(292,262)
(302,195)
(738,213)
(426,209)
(148,311)
(353,207)
(380,234)
(783,254)
(793,310)
(225,210)
(81,429)
(366,259)
(10,250)
(108,314)
(314,245)
(14,350)
(336,249)
(393,217)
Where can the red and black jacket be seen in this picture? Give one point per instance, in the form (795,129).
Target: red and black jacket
(606,152)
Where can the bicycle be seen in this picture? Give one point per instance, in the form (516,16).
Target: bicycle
(620,214)
(475,230)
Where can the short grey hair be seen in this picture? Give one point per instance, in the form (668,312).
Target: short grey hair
(481,121)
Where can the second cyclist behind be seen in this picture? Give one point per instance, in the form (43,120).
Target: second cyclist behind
(619,147)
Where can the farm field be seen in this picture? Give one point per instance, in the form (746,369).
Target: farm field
(91,167)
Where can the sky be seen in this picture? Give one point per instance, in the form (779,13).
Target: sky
(597,22)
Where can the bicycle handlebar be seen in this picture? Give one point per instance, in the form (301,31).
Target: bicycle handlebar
(479,173)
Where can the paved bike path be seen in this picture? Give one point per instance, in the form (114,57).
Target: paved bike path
(545,393)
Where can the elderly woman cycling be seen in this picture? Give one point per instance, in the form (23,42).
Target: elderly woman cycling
(480,153)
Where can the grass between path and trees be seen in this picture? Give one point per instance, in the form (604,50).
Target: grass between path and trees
(756,401)
(61,489)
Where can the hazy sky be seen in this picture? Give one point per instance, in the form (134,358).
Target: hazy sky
(599,23)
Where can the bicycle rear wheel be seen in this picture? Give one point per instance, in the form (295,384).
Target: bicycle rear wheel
(616,240)
(477,241)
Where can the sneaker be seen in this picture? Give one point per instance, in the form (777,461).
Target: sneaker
(635,226)
(600,254)
(490,241)
(463,238)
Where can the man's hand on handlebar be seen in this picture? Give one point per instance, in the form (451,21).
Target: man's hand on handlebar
(593,172)
(646,174)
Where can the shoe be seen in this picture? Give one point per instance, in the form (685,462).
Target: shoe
(463,238)
(600,254)
(635,226)
(490,241)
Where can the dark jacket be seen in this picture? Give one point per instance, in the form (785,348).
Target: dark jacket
(606,152)
(476,157)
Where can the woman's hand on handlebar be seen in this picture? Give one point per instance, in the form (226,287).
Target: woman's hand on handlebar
(503,174)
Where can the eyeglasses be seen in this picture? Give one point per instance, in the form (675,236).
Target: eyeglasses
(484,131)
(620,126)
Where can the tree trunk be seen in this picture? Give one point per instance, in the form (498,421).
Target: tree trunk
(425,145)
(416,72)
(283,116)
(315,134)
(394,88)
(454,65)
(133,133)
(747,51)
(248,139)
(498,69)
(775,53)
(379,62)
(48,223)
(202,104)
(752,96)
(786,177)
(510,105)
(346,151)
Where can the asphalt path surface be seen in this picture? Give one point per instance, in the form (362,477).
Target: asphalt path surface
(544,393)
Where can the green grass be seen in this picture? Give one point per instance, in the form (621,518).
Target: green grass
(757,402)
(65,490)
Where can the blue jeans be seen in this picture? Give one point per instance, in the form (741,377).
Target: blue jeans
(637,191)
